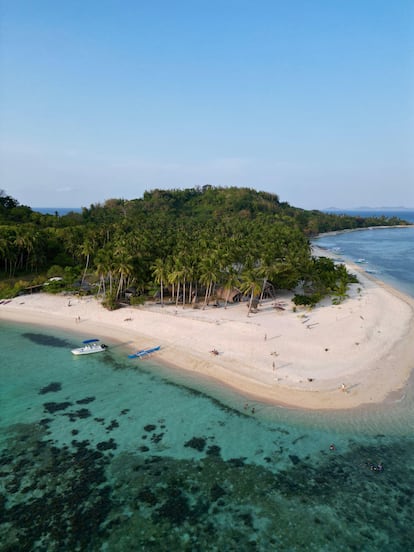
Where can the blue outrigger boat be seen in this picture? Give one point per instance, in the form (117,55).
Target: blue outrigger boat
(145,352)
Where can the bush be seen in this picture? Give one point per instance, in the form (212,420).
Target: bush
(137,300)
(307,300)
(55,271)
(110,302)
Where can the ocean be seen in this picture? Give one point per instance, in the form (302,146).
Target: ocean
(61,211)
(106,453)
(403,214)
(386,253)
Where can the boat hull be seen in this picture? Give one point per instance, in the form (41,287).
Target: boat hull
(144,352)
(89,349)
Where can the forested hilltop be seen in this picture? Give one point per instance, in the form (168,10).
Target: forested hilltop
(191,245)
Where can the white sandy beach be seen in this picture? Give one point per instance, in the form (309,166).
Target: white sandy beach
(299,359)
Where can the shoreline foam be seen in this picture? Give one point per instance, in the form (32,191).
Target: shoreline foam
(299,359)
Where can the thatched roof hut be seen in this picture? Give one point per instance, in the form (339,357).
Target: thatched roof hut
(232,295)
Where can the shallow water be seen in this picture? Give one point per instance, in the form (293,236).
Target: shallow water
(105,453)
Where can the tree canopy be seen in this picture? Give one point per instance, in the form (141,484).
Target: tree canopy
(181,243)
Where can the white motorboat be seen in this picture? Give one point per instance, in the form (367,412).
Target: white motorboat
(90,346)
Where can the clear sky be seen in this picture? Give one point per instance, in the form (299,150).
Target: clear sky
(310,99)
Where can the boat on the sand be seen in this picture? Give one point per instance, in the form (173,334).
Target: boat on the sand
(144,352)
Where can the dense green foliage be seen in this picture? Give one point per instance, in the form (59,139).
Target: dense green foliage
(184,244)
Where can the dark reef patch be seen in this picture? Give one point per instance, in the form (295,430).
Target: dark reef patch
(88,497)
(78,414)
(114,424)
(175,509)
(66,502)
(237,462)
(47,340)
(51,388)
(106,445)
(45,422)
(294,459)
(197,443)
(213,450)
(150,427)
(53,407)
(86,400)
(156,437)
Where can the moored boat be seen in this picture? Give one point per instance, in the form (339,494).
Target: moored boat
(90,346)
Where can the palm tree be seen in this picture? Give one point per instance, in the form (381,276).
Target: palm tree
(86,249)
(159,271)
(124,270)
(208,275)
(251,283)
(105,266)
(4,250)
(232,281)
(101,270)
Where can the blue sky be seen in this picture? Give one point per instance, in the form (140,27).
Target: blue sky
(311,100)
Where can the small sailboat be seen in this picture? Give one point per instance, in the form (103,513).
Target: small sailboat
(144,352)
(90,346)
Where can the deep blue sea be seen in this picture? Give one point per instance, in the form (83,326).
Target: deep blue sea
(404,214)
(105,453)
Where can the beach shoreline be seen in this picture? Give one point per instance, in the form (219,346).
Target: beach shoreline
(349,230)
(333,357)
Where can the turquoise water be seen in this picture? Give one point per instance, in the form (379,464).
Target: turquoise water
(105,453)
(386,253)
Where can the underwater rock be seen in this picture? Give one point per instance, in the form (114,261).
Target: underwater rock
(213,450)
(175,509)
(82,413)
(106,445)
(45,422)
(216,492)
(51,388)
(197,443)
(236,462)
(294,459)
(112,425)
(156,438)
(86,400)
(52,407)
(147,496)
(150,427)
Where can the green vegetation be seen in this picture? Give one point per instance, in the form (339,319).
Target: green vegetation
(176,245)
